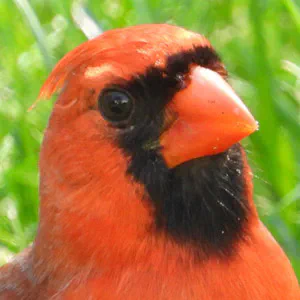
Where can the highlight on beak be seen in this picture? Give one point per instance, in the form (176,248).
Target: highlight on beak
(211,118)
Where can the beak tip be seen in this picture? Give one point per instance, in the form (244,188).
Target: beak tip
(254,126)
(250,128)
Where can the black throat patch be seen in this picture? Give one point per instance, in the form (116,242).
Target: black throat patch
(202,201)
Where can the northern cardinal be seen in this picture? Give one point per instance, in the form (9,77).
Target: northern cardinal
(145,190)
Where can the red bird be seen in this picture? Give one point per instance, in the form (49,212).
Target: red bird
(145,191)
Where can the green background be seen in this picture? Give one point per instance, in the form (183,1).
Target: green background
(259,42)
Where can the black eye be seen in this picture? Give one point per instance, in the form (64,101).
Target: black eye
(116,106)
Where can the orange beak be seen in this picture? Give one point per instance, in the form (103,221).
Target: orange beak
(210,119)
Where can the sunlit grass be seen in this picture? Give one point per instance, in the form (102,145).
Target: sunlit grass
(259,43)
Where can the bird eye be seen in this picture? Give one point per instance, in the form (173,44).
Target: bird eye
(116,106)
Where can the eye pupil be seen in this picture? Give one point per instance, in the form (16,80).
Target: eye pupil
(118,103)
(115,106)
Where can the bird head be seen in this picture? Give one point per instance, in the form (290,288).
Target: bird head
(142,147)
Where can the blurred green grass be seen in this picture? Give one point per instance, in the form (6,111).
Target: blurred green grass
(259,42)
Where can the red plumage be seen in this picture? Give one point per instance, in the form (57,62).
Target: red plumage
(98,235)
